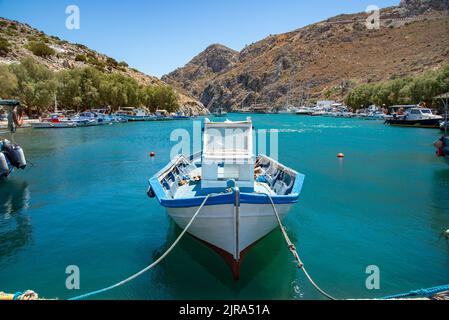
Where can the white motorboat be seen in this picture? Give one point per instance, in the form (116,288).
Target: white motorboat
(220,112)
(416,117)
(304,111)
(135,114)
(55,121)
(235,187)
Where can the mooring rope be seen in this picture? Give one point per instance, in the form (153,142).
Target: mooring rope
(294,252)
(138,274)
(419,293)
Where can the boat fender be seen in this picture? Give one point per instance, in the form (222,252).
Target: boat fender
(15,154)
(4,168)
(151,193)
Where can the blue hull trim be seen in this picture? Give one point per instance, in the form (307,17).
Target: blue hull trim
(228,198)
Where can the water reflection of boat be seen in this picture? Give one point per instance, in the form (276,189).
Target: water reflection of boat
(15,225)
(202,265)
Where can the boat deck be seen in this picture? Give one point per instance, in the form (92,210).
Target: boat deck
(193,189)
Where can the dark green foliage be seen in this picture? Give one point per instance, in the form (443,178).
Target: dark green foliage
(8,83)
(84,88)
(111,62)
(409,90)
(123,64)
(82,46)
(36,84)
(4,47)
(44,38)
(40,49)
(80,57)
(92,60)
(159,97)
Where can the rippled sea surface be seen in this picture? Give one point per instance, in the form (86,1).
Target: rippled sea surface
(84,203)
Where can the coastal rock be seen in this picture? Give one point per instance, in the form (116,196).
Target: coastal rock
(421,6)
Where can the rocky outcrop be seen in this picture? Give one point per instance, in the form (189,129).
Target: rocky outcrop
(323,60)
(421,6)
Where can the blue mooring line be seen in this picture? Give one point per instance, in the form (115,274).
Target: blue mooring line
(419,293)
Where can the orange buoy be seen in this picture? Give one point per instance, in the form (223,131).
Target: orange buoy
(341,155)
(152,154)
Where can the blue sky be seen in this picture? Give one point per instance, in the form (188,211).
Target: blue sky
(156,37)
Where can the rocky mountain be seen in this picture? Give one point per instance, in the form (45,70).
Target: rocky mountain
(18,37)
(323,60)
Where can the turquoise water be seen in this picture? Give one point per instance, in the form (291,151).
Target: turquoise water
(84,203)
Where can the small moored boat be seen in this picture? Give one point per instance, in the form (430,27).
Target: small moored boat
(235,187)
(55,123)
(220,112)
(416,117)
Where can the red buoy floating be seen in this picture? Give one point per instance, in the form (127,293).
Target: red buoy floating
(152,154)
(341,155)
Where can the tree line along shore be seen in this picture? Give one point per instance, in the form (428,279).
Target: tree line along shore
(36,86)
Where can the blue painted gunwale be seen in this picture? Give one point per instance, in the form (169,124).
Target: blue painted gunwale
(227,198)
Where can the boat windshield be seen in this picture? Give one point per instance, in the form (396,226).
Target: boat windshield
(227,141)
(426,111)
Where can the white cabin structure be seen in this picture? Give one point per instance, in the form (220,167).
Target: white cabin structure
(228,154)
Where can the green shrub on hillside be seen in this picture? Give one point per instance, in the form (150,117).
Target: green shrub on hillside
(111,62)
(4,47)
(31,38)
(123,64)
(81,58)
(100,65)
(44,38)
(10,32)
(40,49)
(3,24)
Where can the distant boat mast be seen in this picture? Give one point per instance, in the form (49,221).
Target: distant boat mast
(56,105)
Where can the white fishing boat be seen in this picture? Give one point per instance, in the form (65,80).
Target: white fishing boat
(304,111)
(288,110)
(232,189)
(220,112)
(104,116)
(416,117)
(377,115)
(135,114)
(54,121)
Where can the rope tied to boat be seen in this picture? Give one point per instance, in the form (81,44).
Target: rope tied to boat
(293,250)
(155,263)
(426,293)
